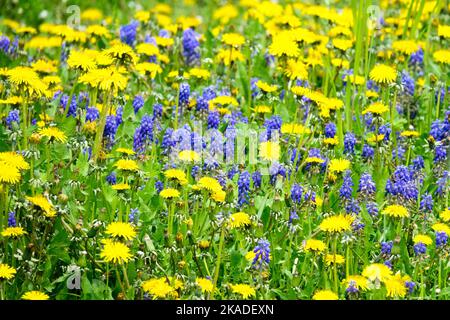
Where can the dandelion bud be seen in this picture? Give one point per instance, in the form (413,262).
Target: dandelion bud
(35,138)
(120,296)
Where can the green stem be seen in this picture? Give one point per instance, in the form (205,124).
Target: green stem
(335,266)
(219,260)
(66,111)
(170,219)
(101,127)
(47,156)
(175,125)
(121,284)
(24,124)
(125,275)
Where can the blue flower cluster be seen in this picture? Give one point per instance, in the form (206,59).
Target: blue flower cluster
(191,47)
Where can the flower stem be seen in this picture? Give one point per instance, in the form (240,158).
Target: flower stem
(101,127)
(121,284)
(335,265)
(24,124)
(219,260)
(170,219)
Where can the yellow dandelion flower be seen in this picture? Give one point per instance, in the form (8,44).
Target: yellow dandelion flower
(26,30)
(441,227)
(14,159)
(205,285)
(159,288)
(169,193)
(91,14)
(244,290)
(199,73)
(108,79)
(8,173)
(296,69)
(52,80)
(148,49)
(115,252)
(6,272)
(226,56)
(25,78)
(126,151)
(249,256)
(121,230)
(209,183)
(330,103)
(44,66)
(121,52)
(294,128)
(90,127)
(339,165)
(189,156)
(219,196)
(13,100)
(233,39)
(263,109)
(318,201)
(405,46)
(444,31)
(43,203)
(53,133)
(269,151)
(176,174)
(81,60)
(239,219)
(35,295)
(342,44)
(225,13)
(121,186)
(409,134)
(376,109)
(372,94)
(336,224)
(13,232)
(325,295)
(442,56)
(127,165)
(334,259)
(203,244)
(374,138)
(383,74)
(223,101)
(355,79)
(331,141)
(445,215)
(422,238)
(340,63)
(142,16)
(152,69)
(395,286)
(164,42)
(40,42)
(313,245)
(314,160)
(266,87)
(98,31)
(357,281)
(377,271)
(301,91)
(284,44)
(396,211)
